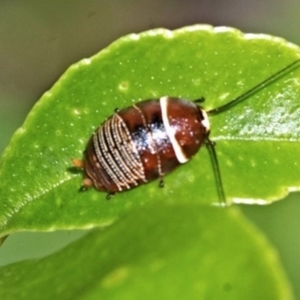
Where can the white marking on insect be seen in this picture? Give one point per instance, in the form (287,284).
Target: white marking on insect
(171,132)
(205,121)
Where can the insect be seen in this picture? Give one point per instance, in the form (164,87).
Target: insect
(151,138)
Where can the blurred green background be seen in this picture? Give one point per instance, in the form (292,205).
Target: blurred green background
(39,40)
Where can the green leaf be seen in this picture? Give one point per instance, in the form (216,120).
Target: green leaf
(257,141)
(175,252)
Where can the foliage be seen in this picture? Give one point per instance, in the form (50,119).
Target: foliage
(257,145)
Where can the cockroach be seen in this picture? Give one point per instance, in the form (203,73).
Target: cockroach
(151,138)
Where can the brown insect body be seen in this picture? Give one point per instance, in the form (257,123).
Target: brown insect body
(143,142)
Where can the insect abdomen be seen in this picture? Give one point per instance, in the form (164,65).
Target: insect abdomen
(143,142)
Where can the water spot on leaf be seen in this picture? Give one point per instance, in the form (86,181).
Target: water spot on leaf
(223,96)
(157,265)
(253,163)
(76,111)
(191,178)
(229,163)
(58,132)
(95,197)
(123,86)
(116,277)
(241,158)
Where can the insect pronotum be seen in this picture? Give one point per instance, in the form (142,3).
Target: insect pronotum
(151,138)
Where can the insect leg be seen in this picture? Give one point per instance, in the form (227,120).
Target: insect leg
(109,195)
(83,188)
(161,183)
(200,100)
(216,168)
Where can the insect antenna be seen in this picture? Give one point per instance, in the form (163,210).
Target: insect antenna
(210,145)
(256,88)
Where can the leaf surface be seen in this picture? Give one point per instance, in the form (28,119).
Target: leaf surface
(189,252)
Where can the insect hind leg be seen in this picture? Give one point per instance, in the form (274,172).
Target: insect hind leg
(210,145)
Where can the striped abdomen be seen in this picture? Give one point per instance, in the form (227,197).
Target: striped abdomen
(143,142)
